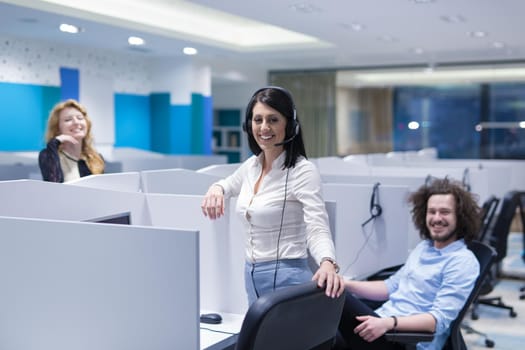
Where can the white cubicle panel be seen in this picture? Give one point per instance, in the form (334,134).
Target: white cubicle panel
(176,181)
(221,248)
(126,182)
(73,285)
(477,179)
(336,165)
(503,175)
(412,182)
(384,242)
(49,200)
(220,170)
(171,162)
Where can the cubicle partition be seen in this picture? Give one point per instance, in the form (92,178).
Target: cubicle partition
(220,170)
(221,248)
(76,285)
(382,242)
(49,200)
(170,162)
(124,182)
(481,181)
(176,181)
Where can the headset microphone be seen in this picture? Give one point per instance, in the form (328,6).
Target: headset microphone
(285,141)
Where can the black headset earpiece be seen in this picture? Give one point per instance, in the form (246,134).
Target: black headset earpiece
(375,207)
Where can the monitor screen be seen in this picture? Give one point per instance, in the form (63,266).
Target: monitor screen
(120,218)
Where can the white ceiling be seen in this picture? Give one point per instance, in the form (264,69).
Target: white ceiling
(394,32)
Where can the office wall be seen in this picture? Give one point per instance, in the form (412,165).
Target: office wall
(108,83)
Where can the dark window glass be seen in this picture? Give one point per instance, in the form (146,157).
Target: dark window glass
(446,117)
(501,134)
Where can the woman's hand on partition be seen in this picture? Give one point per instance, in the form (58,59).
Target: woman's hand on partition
(213,203)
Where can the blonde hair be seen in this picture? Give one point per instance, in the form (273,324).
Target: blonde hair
(93,159)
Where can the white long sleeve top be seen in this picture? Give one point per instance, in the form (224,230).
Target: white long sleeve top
(304,221)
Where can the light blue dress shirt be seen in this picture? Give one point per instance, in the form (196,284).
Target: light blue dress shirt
(437,281)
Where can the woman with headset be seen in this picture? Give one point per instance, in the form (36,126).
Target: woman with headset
(280,202)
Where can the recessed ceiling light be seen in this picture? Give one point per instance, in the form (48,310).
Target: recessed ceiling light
(422,1)
(136,41)
(418,51)
(189,51)
(305,7)
(69,28)
(498,44)
(413,125)
(453,19)
(356,27)
(477,34)
(387,38)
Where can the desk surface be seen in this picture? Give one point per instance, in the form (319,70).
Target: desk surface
(223,335)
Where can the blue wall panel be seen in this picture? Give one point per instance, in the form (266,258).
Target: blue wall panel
(160,111)
(69,82)
(132,121)
(181,135)
(23,115)
(202,115)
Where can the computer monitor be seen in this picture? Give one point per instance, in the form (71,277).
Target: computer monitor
(119,218)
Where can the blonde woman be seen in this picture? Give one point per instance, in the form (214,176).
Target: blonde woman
(69,153)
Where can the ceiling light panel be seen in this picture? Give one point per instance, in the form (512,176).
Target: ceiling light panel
(182,19)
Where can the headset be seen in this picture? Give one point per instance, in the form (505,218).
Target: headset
(466,180)
(247,125)
(375,207)
(278,239)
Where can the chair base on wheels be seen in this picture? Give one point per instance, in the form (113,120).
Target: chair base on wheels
(494,302)
(522,296)
(489,343)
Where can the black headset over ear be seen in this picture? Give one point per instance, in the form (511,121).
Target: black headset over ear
(375,207)
(247,125)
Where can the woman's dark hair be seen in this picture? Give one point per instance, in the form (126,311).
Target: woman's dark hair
(281,100)
(468,213)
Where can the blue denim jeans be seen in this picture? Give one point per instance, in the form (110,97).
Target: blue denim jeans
(259,277)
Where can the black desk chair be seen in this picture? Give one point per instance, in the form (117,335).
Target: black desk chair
(299,317)
(521,202)
(498,238)
(486,257)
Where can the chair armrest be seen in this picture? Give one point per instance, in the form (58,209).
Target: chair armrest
(409,337)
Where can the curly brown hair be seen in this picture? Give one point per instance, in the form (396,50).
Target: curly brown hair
(93,159)
(468,213)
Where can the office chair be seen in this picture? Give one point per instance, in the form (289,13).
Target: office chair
(498,240)
(486,257)
(521,203)
(488,211)
(299,317)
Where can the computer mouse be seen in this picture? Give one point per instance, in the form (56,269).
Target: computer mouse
(211,318)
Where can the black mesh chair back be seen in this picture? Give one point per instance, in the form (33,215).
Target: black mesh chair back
(488,211)
(486,257)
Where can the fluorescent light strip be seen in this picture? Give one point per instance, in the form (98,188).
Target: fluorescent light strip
(500,125)
(435,76)
(181,18)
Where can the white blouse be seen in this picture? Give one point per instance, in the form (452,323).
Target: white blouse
(304,221)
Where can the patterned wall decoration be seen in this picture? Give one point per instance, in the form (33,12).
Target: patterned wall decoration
(28,61)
